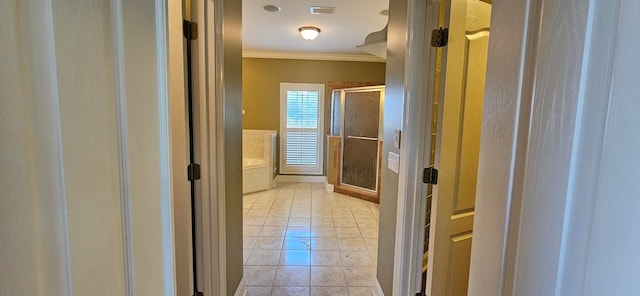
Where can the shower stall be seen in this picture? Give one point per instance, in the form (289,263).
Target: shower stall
(356,118)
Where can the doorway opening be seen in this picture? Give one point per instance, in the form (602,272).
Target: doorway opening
(453,148)
(300,237)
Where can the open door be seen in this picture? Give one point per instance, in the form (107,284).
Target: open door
(453,207)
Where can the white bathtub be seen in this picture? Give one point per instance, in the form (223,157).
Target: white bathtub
(258,160)
(256,175)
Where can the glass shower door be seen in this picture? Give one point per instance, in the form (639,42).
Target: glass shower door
(361,137)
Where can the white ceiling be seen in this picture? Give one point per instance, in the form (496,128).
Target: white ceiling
(277,32)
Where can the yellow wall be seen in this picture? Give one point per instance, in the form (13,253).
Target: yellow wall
(261,83)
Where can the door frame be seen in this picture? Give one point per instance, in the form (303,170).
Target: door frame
(215,118)
(210,212)
(414,147)
(509,65)
(511,69)
(409,224)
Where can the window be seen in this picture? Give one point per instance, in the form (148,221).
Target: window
(301,123)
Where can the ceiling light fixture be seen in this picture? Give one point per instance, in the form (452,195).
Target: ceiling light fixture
(309,33)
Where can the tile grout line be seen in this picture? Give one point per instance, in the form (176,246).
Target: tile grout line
(309,204)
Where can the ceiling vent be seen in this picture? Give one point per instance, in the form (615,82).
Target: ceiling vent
(322,10)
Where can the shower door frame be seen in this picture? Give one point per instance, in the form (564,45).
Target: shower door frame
(343,91)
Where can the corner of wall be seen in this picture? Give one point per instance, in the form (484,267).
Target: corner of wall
(241,290)
(377,290)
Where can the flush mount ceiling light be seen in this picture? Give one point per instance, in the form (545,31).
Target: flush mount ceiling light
(309,33)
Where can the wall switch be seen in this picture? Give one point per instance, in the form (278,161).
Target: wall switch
(393,162)
(396,138)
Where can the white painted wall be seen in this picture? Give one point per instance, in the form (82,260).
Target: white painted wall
(85,153)
(34,252)
(611,264)
(557,194)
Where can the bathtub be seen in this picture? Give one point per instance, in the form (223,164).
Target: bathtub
(256,175)
(258,160)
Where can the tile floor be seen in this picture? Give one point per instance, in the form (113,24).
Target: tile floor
(301,240)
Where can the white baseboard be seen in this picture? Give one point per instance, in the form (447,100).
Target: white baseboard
(300,178)
(377,290)
(241,290)
(328,187)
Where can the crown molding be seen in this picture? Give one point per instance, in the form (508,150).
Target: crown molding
(312,56)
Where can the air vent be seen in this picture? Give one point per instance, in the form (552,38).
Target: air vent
(322,10)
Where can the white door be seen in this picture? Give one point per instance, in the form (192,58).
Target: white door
(457,154)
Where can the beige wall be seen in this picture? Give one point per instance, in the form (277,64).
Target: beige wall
(261,83)
(231,90)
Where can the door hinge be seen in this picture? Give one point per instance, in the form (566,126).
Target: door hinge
(193,172)
(430,176)
(440,37)
(198,294)
(190,30)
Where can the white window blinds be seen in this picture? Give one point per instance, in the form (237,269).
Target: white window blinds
(301,124)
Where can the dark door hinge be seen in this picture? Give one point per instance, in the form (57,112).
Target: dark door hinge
(190,30)
(430,176)
(440,37)
(193,172)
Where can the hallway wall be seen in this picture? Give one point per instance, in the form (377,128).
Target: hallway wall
(393,113)
(230,91)
(84,157)
(559,152)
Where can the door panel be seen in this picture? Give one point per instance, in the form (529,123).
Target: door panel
(365,107)
(361,129)
(471,120)
(460,246)
(457,153)
(360,165)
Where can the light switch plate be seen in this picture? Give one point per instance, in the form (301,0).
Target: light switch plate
(393,162)
(396,138)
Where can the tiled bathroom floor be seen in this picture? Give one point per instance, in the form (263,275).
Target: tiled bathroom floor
(301,240)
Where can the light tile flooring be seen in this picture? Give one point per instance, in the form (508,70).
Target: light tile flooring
(301,240)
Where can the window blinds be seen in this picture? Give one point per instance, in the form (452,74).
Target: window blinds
(302,134)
